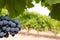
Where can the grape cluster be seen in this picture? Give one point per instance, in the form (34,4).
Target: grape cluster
(8,26)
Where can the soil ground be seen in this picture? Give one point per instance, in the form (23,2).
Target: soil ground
(21,36)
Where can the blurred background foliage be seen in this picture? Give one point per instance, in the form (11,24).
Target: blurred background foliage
(34,20)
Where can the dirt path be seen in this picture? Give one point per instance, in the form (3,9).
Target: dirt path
(25,37)
(28,37)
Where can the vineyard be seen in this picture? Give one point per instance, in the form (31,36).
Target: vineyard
(15,17)
(29,21)
(34,20)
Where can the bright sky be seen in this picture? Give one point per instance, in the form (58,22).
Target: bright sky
(38,8)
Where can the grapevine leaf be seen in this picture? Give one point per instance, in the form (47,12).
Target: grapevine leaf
(30,5)
(15,7)
(37,1)
(50,2)
(2,3)
(43,2)
(48,6)
(55,13)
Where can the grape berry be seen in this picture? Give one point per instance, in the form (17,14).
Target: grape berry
(8,26)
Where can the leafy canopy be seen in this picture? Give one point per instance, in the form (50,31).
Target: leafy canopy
(16,7)
(34,20)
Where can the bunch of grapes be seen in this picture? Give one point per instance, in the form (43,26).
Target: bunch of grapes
(8,26)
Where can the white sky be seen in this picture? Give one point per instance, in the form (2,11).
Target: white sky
(38,8)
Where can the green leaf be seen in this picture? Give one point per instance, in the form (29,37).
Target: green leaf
(30,5)
(51,2)
(15,7)
(48,6)
(43,2)
(37,1)
(55,12)
(2,4)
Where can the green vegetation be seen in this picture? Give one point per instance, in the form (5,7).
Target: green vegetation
(34,20)
(17,7)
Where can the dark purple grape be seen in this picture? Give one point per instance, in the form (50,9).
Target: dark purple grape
(16,29)
(1,23)
(2,34)
(7,18)
(7,25)
(13,25)
(8,29)
(10,22)
(0,30)
(2,17)
(4,28)
(1,26)
(5,22)
(16,21)
(19,26)
(12,29)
